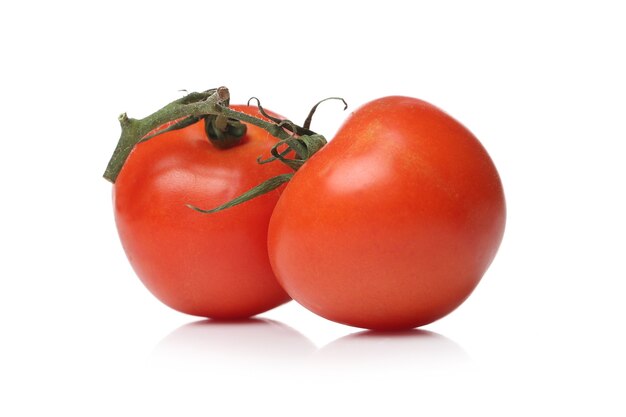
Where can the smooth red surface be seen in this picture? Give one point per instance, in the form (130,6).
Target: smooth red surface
(393,223)
(212,265)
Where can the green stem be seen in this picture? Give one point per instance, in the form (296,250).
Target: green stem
(272,128)
(210,102)
(134,130)
(223,130)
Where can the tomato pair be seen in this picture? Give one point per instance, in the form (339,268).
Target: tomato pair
(389,226)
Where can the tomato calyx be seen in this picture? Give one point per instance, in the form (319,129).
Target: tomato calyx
(303,142)
(224,126)
(300,144)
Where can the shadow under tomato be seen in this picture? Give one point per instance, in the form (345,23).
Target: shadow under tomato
(406,351)
(249,342)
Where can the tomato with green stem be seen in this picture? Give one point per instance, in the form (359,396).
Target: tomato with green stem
(211,266)
(393,223)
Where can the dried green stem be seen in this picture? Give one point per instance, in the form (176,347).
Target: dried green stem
(223,128)
(193,105)
(134,130)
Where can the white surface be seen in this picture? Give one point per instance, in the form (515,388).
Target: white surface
(541,84)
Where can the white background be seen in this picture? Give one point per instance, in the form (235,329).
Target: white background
(542,84)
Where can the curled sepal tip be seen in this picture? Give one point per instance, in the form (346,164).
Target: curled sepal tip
(263,188)
(309,118)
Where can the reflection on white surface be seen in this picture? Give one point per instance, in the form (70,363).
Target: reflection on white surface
(261,344)
(254,342)
(396,352)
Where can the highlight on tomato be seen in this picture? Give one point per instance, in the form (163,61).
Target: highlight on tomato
(211,266)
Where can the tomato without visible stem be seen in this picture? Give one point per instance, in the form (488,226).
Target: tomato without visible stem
(205,265)
(393,223)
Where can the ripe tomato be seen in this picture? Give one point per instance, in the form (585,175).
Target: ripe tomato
(393,223)
(212,266)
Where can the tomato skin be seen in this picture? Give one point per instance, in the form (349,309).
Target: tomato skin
(393,223)
(205,265)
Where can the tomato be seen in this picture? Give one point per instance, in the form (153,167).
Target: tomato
(393,223)
(206,265)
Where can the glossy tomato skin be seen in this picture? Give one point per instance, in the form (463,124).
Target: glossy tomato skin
(393,223)
(213,265)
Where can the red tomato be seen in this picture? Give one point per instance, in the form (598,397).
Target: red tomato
(393,223)
(205,265)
